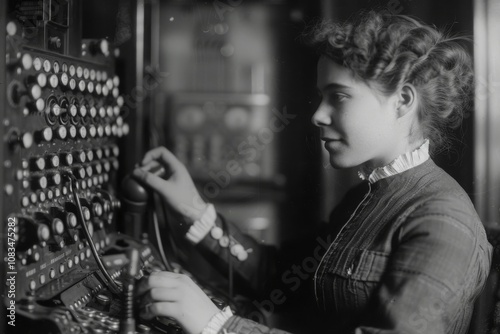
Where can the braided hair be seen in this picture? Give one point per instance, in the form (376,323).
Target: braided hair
(392,50)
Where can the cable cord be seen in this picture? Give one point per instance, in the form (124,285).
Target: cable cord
(127,321)
(159,240)
(111,284)
(107,194)
(225,229)
(158,207)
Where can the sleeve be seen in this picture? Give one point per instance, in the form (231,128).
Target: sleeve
(215,324)
(226,323)
(437,269)
(238,325)
(258,268)
(254,264)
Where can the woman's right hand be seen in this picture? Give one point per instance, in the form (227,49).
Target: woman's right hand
(177,187)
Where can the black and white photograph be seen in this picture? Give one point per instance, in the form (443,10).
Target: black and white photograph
(250,166)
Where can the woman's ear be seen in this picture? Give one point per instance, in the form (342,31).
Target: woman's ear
(407,99)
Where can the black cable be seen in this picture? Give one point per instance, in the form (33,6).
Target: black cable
(113,287)
(107,194)
(167,217)
(225,229)
(159,240)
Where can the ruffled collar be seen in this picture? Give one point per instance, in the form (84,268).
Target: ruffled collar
(398,165)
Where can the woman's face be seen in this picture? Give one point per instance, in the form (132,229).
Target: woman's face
(358,125)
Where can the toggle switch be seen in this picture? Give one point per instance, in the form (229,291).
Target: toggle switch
(67,158)
(47,66)
(61,132)
(99,47)
(30,233)
(82,131)
(80,156)
(39,79)
(54,179)
(55,110)
(79,71)
(35,106)
(37,163)
(44,135)
(53,81)
(22,61)
(79,172)
(25,140)
(39,182)
(53,160)
(72,131)
(64,80)
(90,155)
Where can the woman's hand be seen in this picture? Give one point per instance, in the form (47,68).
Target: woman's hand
(177,188)
(174,295)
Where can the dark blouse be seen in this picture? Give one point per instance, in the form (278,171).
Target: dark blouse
(409,255)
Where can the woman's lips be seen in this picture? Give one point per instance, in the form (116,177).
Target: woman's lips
(331,144)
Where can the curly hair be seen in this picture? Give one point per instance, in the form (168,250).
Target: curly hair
(392,50)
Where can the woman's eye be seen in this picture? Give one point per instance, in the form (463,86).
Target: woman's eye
(336,98)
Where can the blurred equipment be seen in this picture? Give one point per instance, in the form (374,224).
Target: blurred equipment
(223,117)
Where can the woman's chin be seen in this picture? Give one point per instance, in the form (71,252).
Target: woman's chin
(341,161)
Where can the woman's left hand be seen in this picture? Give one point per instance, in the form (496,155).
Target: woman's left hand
(177,296)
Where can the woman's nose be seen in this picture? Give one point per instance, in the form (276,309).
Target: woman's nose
(321,116)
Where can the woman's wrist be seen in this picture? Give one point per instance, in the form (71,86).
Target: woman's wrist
(191,210)
(203,225)
(217,322)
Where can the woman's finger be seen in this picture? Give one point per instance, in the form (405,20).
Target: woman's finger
(156,295)
(151,180)
(159,309)
(160,279)
(167,294)
(164,294)
(150,166)
(162,154)
(153,154)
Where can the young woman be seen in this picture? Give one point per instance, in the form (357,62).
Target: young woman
(409,253)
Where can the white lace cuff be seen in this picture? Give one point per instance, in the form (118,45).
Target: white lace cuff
(215,324)
(201,227)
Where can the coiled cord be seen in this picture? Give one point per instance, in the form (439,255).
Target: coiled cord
(127,323)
